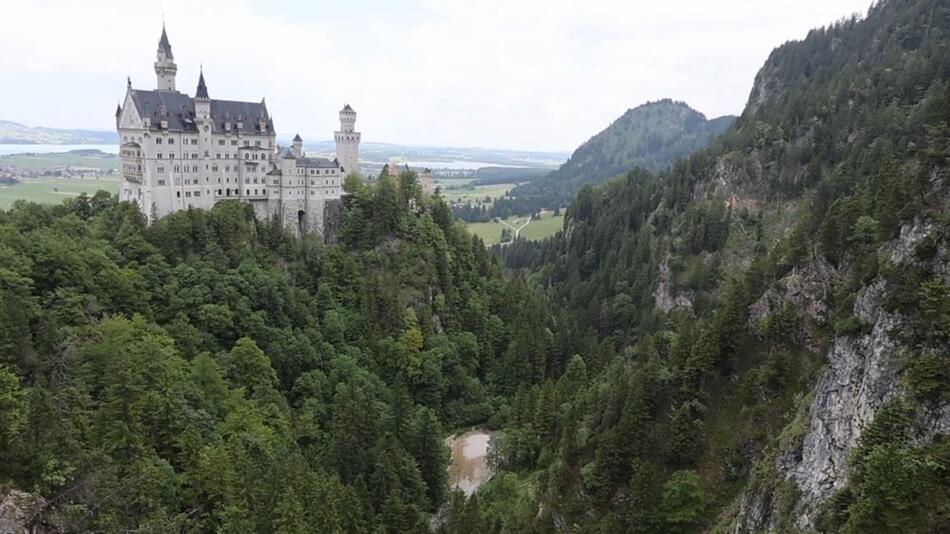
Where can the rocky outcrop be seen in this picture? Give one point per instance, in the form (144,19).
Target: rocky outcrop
(666,297)
(862,375)
(23,513)
(808,290)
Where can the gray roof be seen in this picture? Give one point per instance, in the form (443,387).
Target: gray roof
(347,108)
(180,109)
(317,162)
(164,45)
(297,138)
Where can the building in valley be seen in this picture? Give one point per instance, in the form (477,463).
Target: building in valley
(179,152)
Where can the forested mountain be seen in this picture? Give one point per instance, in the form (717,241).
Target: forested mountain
(652,136)
(211,373)
(754,340)
(778,308)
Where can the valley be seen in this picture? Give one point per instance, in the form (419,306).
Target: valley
(732,325)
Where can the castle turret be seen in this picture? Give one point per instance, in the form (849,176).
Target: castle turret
(165,68)
(202,101)
(297,146)
(348,141)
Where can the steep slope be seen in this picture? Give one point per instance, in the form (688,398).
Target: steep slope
(651,135)
(210,373)
(778,304)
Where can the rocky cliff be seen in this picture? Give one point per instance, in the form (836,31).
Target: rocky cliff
(863,373)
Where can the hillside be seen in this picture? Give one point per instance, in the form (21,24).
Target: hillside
(752,340)
(212,373)
(777,308)
(15,133)
(651,136)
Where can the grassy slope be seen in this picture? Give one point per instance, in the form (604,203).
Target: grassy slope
(53,190)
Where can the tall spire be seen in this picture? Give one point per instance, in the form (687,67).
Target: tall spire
(163,45)
(165,68)
(202,91)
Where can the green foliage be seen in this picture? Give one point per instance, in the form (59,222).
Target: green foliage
(211,373)
(682,501)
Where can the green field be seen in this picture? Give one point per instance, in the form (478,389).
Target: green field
(490,232)
(60,160)
(54,190)
(475,194)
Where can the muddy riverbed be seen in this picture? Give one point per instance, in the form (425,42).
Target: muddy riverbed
(469,468)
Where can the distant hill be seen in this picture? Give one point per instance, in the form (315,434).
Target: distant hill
(14,133)
(652,136)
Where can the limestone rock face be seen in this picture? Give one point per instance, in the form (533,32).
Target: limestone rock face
(862,375)
(20,513)
(665,297)
(807,289)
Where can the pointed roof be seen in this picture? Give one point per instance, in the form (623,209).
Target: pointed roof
(347,108)
(164,45)
(297,139)
(118,109)
(202,91)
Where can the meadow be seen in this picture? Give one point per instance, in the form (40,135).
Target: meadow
(54,190)
(490,232)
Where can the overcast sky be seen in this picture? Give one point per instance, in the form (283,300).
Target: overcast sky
(540,74)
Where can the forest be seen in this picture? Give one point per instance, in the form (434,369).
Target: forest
(664,364)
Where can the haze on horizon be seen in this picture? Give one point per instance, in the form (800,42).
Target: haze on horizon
(538,75)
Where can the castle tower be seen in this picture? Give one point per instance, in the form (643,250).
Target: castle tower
(348,141)
(165,67)
(297,146)
(202,100)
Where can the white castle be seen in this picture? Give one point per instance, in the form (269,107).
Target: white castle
(179,152)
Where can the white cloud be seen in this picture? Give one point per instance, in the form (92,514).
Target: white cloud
(541,74)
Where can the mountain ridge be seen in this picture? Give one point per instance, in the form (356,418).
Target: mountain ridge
(652,136)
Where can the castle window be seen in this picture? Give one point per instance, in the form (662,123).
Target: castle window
(217,156)
(171,155)
(257,143)
(197,193)
(171,140)
(247,143)
(214,168)
(233,142)
(248,192)
(188,194)
(161,182)
(160,168)
(158,140)
(227,156)
(220,142)
(159,155)
(178,194)
(177,168)
(194,141)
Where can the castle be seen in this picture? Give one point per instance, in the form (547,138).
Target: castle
(423,175)
(179,152)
